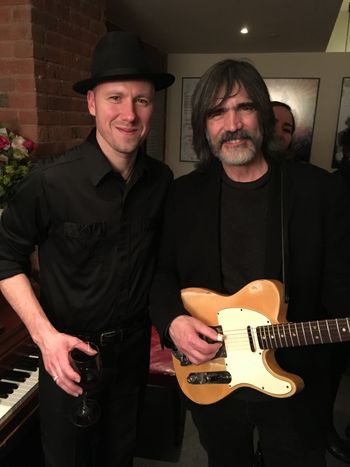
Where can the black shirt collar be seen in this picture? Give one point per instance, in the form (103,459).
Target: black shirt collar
(98,164)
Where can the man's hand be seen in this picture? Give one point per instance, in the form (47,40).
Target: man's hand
(55,351)
(185,333)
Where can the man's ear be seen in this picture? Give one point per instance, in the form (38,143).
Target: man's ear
(90,97)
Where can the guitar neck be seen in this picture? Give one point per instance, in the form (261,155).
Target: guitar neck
(306,333)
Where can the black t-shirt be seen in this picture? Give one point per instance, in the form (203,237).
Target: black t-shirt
(244,208)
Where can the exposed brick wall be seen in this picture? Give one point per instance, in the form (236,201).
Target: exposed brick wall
(46,46)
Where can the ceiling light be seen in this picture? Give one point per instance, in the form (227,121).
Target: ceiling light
(244,30)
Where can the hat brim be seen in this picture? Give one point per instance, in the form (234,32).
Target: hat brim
(160,80)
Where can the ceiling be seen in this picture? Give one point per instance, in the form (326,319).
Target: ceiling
(212,26)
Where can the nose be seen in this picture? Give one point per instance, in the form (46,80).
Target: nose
(128,111)
(233,120)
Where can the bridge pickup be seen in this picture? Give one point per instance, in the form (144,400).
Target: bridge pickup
(209,377)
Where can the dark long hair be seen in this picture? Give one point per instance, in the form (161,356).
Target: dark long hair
(223,77)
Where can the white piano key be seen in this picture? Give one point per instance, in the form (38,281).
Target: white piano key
(19,395)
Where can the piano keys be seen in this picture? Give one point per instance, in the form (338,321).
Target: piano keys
(18,383)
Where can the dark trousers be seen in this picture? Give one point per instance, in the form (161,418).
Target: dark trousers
(111,441)
(291,432)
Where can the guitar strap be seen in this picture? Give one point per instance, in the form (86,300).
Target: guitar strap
(284,232)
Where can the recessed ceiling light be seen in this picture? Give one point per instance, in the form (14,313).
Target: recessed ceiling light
(244,30)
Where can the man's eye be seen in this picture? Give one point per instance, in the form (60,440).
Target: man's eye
(248,107)
(215,113)
(115,98)
(143,101)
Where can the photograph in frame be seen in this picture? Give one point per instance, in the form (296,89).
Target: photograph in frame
(299,93)
(343,125)
(187,153)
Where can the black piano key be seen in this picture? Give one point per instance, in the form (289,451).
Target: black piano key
(3,396)
(26,365)
(18,376)
(7,387)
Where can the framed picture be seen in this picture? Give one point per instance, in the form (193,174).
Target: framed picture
(343,122)
(187,153)
(299,93)
(155,142)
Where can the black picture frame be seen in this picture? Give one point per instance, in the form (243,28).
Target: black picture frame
(343,122)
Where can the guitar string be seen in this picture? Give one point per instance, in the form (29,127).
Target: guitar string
(282,332)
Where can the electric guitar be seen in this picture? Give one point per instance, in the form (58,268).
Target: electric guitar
(253,322)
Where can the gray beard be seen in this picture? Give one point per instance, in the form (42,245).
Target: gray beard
(241,157)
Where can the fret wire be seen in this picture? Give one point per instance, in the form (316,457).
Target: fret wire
(311,333)
(303,328)
(290,334)
(339,334)
(329,333)
(278,327)
(320,332)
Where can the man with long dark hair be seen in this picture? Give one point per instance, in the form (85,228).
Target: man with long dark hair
(238,219)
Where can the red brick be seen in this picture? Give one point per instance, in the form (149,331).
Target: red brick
(4,100)
(7,49)
(15,2)
(25,84)
(17,67)
(79,105)
(16,31)
(24,49)
(29,116)
(22,13)
(22,101)
(50,117)
(38,34)
(8,117)
(28,131)
(5,15)
(42,102)
(7,84)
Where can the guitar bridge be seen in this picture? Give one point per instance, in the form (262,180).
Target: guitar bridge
(209,377)
(184,361)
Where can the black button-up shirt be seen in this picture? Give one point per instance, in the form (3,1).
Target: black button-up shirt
(96,235)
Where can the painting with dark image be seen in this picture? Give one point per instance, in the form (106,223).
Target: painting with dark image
(299,93)
(301,96)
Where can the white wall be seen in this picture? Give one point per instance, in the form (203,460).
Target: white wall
(329,67)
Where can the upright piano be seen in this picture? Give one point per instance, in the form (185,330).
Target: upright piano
(18,385)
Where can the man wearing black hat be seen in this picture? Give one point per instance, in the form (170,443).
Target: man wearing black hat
(94,212)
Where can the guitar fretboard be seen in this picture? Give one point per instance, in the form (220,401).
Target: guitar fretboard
(306,333)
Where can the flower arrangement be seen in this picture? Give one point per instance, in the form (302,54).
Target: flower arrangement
(14,162)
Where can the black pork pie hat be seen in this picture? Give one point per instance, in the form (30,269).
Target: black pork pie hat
(121,56)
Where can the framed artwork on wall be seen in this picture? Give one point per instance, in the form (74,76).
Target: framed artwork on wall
(299,93)
(343,126)
(187,153)
(155,142)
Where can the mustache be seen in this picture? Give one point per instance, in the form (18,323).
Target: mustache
(233,135)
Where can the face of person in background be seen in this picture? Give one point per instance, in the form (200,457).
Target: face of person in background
(284,127)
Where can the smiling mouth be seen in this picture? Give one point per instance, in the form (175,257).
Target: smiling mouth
(236,142)
(127,131)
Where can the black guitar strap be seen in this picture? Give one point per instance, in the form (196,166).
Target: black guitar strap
(284,232)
